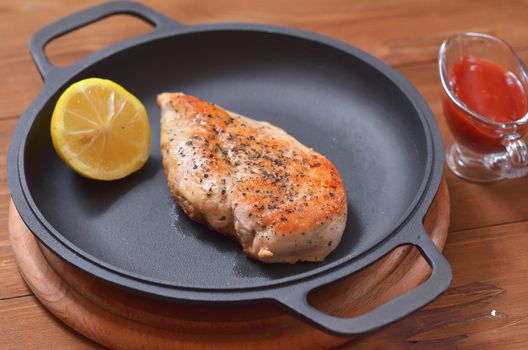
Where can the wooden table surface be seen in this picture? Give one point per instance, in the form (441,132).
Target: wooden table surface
(486,306)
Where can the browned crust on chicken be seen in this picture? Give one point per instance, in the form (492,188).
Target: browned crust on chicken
(281,200)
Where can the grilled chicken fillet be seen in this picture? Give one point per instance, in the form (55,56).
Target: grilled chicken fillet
(248,179)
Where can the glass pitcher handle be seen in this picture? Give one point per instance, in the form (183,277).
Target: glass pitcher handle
(513,162)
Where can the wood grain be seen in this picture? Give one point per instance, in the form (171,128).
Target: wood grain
(27,325)
(119,319)
(403,33)
(490,268)
(12,284)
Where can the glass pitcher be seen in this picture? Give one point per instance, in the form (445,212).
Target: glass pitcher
(487,146)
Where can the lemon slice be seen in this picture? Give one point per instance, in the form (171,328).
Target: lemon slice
(100,130)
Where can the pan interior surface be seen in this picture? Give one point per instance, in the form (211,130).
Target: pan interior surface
(329,100)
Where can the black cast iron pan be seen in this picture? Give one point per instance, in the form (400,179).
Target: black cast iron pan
(367,119)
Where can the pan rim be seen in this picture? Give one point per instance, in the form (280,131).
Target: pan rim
(81,259)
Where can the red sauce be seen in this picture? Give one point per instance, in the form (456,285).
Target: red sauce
(490,90)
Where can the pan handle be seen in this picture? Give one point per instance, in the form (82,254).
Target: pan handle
(391,311)
(82,18)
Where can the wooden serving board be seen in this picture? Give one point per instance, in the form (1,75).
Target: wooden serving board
(118,318)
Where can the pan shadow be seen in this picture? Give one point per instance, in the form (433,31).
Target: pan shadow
(224,244)
(98,196)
